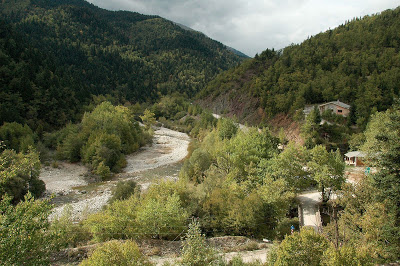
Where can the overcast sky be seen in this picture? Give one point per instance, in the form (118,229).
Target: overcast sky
(251,26)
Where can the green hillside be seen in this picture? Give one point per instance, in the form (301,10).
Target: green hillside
(56,54)
(357,63)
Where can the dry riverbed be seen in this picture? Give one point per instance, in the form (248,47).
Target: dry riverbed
(153,162)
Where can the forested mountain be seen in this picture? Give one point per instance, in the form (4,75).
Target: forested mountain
(357,63)
(56,54)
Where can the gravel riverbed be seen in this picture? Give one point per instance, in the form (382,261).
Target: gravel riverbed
(67,182)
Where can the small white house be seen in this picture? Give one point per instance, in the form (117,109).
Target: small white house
(354,158)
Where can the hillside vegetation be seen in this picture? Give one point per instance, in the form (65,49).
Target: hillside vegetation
(97,72)
(357,63)
(55,54)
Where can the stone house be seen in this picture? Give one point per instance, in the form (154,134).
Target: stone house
(337,107)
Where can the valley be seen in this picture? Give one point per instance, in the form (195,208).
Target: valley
(130,139)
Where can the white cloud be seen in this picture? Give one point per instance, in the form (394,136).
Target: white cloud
(252,26)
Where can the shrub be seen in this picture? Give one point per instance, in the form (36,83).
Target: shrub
(103,136)
(70,148)
(123,190)
(16,136)
(118,221)
(68,233)
(301,248)
(226,128)
(116,253)
(195,250)
(44,153)
(113,120)
(238,261)
(104,148)
(162,216)
(283,228)
(25,235)
(348,255)
(194,168)
(19,173)
(103,171)
(251,245)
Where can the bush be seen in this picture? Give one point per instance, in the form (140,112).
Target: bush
(348,255)
(116,253)
(44,153)
(158,213)
(53,139)
(123,190)
(283,228)
(19,173)
(68,233)
(16,136)
(328,115)
(25,235)
(301,248)
(103,171)
(194,168)
(179,115)
(118,221)
(70,149)
(105,149)
(195,250)
(161,216)
(226,128)
(238,261)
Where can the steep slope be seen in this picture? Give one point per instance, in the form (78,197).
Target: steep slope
(357,63)
(55,54)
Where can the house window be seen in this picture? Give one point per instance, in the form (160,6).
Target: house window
(339,111)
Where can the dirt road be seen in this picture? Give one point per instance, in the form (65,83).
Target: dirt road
(309,205)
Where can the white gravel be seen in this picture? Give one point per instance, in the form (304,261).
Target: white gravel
(168,147)
(82,208)
(247,257)
(62,179)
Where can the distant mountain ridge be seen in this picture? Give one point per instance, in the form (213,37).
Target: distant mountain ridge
(56,54)
(357,63)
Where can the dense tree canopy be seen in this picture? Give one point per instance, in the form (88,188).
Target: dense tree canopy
(101,139)
(357,63)
(383,149)
(55,54)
